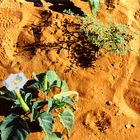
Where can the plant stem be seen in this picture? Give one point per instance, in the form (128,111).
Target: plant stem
(22,102)
(45,83)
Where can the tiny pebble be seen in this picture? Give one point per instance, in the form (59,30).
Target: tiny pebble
(128,126)
(118,113)
(109,103)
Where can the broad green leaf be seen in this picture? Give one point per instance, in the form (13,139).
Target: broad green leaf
(56,103)
(53,79)
(28,98)
(7,95)
(36,105)
(14,128)
(46,81)
(43,80)
(67,119)
(65,94)
(46,122)
(40,82)
(68,101)
(35,114)
(52,103)
(53,136)
(64,86)
(36,85)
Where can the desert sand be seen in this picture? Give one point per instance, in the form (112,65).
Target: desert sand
(109,103)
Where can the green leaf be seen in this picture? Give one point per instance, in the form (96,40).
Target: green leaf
(36,105)
(53,79)
(53,136)
(69,101)
(40,82)
(28,98)
(64,86)
(56,103)
(35,114)
(7,95)
(52,103)
(46,122)
(14,128)
(67,119)
(35,85)
(46,81)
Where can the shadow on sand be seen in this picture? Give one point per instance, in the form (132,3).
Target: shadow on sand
(59,6)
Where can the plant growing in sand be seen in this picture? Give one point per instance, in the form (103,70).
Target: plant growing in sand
(110,38)
(69,12)
(94,5)
(56,103)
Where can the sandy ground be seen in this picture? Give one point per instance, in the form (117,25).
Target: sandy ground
(109,100)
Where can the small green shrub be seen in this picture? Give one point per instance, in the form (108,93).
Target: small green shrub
(69,12)
(111,38)
(27,108)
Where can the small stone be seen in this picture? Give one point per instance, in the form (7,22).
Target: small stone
(109,103)
(128,126)
(118,113)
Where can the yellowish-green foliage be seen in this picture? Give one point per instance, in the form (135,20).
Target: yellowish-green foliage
(112,38)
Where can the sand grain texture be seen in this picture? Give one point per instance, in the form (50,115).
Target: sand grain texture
(29,42)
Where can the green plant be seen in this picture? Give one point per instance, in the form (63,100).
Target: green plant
(69,12)
(94,5)
(27,107)
(111,38)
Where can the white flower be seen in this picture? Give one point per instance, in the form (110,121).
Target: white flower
(15,81)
